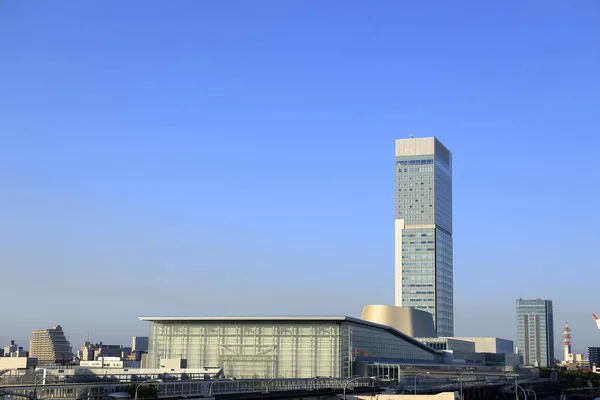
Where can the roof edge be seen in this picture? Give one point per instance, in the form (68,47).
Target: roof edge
(296,318)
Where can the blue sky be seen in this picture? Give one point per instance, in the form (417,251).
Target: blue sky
(231,157)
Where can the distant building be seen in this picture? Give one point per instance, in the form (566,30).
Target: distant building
(95,351)
(139,344)
(14,350)
(594,356)
(86,352)
(50,346)
(577,361)
(125,352)
(10,350)
(108,350)
(535,332)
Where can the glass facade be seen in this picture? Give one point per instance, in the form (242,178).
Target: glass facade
(418,269)
(424,205)
(279,348)
(594,356)
(377,343)
(535,332)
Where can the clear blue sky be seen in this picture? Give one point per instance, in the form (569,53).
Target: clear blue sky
(236,157)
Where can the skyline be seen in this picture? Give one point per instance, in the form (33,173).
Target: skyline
(252,151)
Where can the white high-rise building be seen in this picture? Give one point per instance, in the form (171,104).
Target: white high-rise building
(423,232)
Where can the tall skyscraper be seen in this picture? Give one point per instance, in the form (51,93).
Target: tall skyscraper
(50,346)
(423,234)
(535,332)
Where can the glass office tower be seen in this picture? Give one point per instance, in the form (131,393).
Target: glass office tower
(535,332)
(423,233)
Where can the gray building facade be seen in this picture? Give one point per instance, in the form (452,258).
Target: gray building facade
(423,230)
(535,332)
(594,356)
(282,347)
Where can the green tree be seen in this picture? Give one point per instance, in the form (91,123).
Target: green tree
(145,391)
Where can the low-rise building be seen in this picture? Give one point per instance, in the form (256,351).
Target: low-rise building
(135,356)
(109,362)
(283,347)
(484,351)
(95,351)
(17,363)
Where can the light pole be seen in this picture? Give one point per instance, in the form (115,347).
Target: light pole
(461,385)
(266,386)
(356,379)
(147,381)
(226,379)
(35,387)
(524,392)
(416,376)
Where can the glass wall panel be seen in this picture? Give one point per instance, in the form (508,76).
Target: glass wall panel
(250,350)
(279,349)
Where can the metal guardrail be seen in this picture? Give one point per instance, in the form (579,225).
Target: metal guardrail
(30,378)
(170,389)
(410,382)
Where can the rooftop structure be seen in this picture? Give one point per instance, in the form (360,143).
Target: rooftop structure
(410,321)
